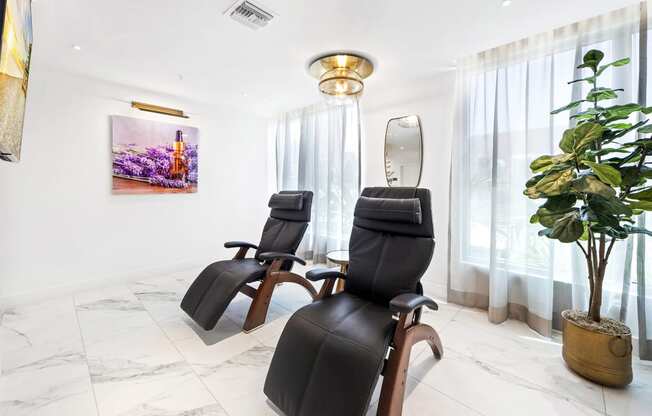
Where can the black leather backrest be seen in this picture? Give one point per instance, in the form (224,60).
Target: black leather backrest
(390,249)
(287,223)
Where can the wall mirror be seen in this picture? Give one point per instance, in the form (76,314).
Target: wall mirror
(403,151)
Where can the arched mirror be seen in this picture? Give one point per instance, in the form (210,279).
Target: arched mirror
(403,151)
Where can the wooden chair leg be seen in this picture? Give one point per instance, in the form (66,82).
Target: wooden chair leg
(326,289)
(295,278)
(394,380)
(260,304)
(263,295)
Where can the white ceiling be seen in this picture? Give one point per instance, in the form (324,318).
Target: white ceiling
(150,43)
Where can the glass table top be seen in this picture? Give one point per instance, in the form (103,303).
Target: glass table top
(338,256)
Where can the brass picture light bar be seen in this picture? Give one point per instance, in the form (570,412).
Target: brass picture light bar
(158,109)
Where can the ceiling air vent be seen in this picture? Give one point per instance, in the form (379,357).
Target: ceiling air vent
(249,14)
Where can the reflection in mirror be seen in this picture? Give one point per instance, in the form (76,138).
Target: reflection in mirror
(403,151)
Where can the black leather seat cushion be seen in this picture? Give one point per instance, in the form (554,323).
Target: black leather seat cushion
(340,335)
(216,286)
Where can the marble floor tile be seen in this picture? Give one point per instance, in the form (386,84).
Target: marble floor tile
(635,399)
(491,391)
(130,350)
(237,383)
(45,323)
(142,373)
(107,313)
(53,385)
(204,358)
(514,349)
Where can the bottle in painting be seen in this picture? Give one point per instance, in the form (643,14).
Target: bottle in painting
(179,165)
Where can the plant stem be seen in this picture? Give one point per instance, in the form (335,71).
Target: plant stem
(589,265)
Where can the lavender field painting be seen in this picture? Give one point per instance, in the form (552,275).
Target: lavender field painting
(153,157)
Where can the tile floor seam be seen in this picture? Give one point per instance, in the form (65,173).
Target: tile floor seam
(83,343)
(185,360)
(447,396)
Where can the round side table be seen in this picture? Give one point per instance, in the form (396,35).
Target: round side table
(341,258)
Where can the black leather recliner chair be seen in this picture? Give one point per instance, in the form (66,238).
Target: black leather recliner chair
(215,287)
(331,353)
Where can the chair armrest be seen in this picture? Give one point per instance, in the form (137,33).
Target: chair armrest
(233,244)
(408,302)
(272,255)
(316,275)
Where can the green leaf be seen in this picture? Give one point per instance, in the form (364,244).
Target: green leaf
(589,113)
(533,181)
(560,203)
(608,206)
(592,59)
(605,151)
(606,173)
(611,135)
(636,230)
(619,126)
(645,129)
(555,183)
(644,195)
(591,185)
(620,111)
(590,80)
(567,107)
(568,228)
(601,94)
(579,138)
(643,205)
(632,176)
(548,218)
(619,62)
(545,162)
(615,232)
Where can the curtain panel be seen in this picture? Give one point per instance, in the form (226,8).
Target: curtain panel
(318,149)
(504,98)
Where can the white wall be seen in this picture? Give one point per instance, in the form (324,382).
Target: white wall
(62,229)
(432,100)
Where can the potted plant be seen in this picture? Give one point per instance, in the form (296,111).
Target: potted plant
(593,190)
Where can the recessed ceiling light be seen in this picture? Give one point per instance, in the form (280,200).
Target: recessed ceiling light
(506,3)
(244,94)
(76,47)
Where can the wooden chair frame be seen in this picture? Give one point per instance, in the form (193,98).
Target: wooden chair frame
(262,296)
(409,331)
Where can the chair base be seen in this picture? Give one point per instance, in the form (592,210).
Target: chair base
(392,392)
(262,296)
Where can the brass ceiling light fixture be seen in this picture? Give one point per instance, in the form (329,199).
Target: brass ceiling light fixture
(341,74)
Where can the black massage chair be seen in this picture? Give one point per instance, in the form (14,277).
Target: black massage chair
(212,291)
(332,352)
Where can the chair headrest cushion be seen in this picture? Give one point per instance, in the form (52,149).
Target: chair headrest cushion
(292,202)
(406,210)
(291,206)
(402,223)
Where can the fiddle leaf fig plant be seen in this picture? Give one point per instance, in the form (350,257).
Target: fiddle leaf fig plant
(599,182)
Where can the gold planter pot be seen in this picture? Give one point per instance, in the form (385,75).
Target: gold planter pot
(604,359)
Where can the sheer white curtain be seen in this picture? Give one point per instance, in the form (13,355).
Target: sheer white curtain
(503,122)
(318,149)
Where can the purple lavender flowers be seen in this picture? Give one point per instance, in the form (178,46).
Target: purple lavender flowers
(153,164)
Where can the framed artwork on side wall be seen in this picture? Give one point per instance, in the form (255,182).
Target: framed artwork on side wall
(15,55)
(151,157)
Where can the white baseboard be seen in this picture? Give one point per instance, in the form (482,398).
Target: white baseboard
(98,282)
